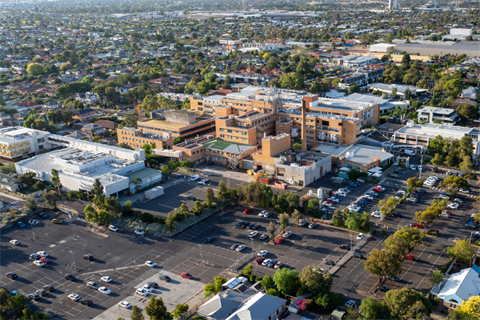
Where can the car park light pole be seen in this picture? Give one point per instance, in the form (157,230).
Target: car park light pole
(351,242)
(252,245)
(73,264)
(33,232)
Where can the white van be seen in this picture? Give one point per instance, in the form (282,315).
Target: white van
(410,152)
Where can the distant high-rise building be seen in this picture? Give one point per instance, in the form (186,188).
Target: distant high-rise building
(437,3)
(392,4)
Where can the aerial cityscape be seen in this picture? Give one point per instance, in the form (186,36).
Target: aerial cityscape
(239,160)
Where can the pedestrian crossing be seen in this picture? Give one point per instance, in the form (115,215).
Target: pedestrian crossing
(402,181)
(83,220)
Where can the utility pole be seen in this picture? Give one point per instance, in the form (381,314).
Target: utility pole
(33,231)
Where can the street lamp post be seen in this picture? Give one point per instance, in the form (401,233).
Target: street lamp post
(33,231)
(73,264)
(252,245)
(201,252)
(351,242)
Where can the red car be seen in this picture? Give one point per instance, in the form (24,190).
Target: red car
(378,189)
(45,260)
(329,201)
(417,225)
(186,275)
(247,211)
(447,212)
(279,240)
(259,260)
(409,257)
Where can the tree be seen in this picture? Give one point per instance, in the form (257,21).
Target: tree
(267,282)
(396,244)
(223,191)
(406,303)
(436,145)
(414,182)
(296,216)
(381,263)
(466,164)
(315,282)
(437,160)
(371,308)
(461,251)
(137,313)
(179,310)
(353,174)
(51,199)
(292,80)
(27,178)
(286,280)
(55,178)
(219,281)
(297,145)
(156,309)
(453,87)
(284,220)
(35,69)
(31,204)
(209,197)
(329,301)
(248,270)
(453,184)
(412,236)
(337,218)
(437,276)
(470,309)
(272,228)
(467,111)
(97,189)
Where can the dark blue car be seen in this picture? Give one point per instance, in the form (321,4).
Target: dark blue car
(352,184)
(21,224)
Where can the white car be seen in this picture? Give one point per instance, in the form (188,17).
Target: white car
(377,214)
(150,264)
(262,253)
(354,208)
(263,236)
(141,292)
(38,263)
(104,290)
(112,228)
(444,196)
(203,181)
(14,242)
(445,215)
(401,191)
(253,234)
(106,279)
(344,190)
(464,190)
(458,200)
(139,232)
(264,213)
(350,303)
(195,177)
(334,200)
(74,297)
(453,205)
(428,183)
(341,194)
(312,225)
(288,234)
(325,203)
(413,167)
(125,304)
(32,221)
(266,261)
(240,247)
(369,197)
(42,253)
(360,236)
(148,288)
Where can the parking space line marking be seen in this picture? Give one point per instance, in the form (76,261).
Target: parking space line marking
(428,273)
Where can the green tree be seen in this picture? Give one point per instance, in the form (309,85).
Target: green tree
(466,164)
(179,310)
(381,263)
(470,309)
(267,282)
(461,251)
(35,69)
(315,282)
(437,160)
(414,182)
(219,281)
(248,270)
(406,304)
(286,280)
(27,178)
(31,204)
(52,198)
(329,301)
(284,220)
(137,313)
(467,111)
(210,197)
(453,184)
(292,80)
(55,178)
(437,276)
(297,145)
(271,229)
(337,219)
(296,216)
(156,309)
(371,308)
(223,190)
(353,174)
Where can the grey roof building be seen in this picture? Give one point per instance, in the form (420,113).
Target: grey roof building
(231,305)
(470,48)
(444,115)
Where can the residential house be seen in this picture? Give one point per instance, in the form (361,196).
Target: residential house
(84,114)
(107,124)
(93,129)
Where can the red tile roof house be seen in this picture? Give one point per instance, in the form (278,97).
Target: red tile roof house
(107,124)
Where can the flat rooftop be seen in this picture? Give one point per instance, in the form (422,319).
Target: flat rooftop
(228,146)
(433,130)
(361,154)
(144,173)
(164,123)
(444,111)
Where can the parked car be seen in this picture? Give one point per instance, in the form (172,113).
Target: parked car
(191,197)
(57,221)
(378,189)
(70,277)
(259,260)
(125,304)
(88,257)
(382,288)
(164,278)
(412,199)
(393,278)
(345,246)
(409,257)
(360,236)
(247,211)
(41,292)
(279,240)
(240,248)
(194,177)
(92,285)
(139,232)
(377,214)
(209,239)
(416,225)
(106,279)
(453,205)
(278,265)
(112,228)
(252,234)
(263,236)
(186,275)
(150,264)
(444,196)
(358,255)
(287,234)
(264,213)
(329,262)
(303,223)
(14,242)
(11,275)
(262,253)
(86,302)
(74,297)
(312,225)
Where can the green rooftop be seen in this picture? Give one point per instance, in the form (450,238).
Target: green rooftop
(7,180)
(228,146)
(142,174)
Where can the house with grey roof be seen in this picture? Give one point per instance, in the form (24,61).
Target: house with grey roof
(232,305)
(442,115)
